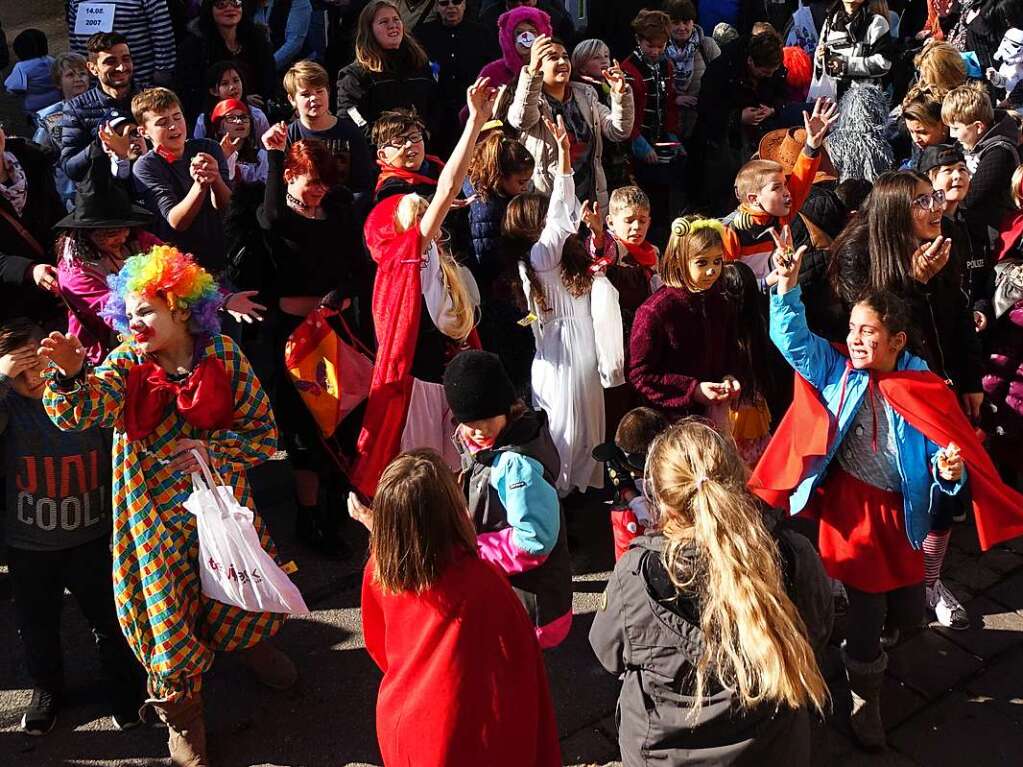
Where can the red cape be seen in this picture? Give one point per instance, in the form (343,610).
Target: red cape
(464,679)
(928,405)
(396,302)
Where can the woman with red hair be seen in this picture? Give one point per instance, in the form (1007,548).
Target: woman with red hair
(799,73)
(316,255)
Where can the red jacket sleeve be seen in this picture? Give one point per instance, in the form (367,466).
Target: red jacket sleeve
(801,179)
(373,630)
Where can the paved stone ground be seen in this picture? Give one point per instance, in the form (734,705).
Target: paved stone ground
(952,698)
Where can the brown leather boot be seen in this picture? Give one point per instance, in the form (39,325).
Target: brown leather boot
(186,729)
(272,667)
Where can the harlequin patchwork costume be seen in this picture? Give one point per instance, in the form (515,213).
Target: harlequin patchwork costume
(171,626)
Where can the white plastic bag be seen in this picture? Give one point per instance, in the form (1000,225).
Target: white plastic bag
(803,32)
(233,567)
(822,86)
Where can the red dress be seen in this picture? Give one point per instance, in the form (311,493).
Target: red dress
(464,682)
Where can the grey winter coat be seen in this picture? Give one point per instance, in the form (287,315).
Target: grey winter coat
(654,644)
(528,107)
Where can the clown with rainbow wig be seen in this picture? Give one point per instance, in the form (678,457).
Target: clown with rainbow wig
(175,385)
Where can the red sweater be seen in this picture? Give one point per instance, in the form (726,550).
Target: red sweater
(464,682)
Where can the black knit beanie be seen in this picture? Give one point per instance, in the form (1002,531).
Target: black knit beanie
(477,387)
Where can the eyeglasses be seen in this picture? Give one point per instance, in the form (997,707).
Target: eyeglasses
(221,5)
(929,202)
(402,141)
(446,3)
(237,119)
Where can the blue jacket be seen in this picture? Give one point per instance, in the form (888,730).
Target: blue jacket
(80,125)
(827,369)
(485,217)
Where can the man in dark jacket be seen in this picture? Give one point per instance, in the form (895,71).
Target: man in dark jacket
(109,61)
(459,48)
(742,93)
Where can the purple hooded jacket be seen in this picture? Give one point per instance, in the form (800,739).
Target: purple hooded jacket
(506,69)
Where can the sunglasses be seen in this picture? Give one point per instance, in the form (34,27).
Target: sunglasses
(929,202)
(446,3)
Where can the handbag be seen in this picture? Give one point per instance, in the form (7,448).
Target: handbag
(234,568)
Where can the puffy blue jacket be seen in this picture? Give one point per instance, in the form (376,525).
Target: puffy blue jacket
(485,219)
(829,372)
(80,124)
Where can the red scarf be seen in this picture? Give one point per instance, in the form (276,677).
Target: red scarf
(205,399)
(643,254)
(166,154)
(928,405)
(411,177)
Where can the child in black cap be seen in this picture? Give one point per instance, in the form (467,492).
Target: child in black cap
(510,464)
(625,459)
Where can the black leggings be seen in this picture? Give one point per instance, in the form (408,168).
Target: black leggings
(870,613)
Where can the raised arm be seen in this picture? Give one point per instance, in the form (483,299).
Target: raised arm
(480,98)
(76,402)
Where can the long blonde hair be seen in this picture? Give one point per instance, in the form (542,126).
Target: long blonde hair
(940,66)
(408,213)
(754,640)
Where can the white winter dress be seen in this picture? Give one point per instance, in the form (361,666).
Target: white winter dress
(579,347)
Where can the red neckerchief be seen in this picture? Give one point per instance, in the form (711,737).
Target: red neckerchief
(643,254)
(166,154)
(205,399)
(411,177)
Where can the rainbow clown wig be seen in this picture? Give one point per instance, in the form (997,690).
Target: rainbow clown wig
(165,272)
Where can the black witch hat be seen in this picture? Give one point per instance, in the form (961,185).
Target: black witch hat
(101,203)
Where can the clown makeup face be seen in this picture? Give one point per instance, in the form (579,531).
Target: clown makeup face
(630,224)
(109,241)
(704,268)
(871,345)
(924,135)
(480,435)
(153,324)
(774,197)
(524,34)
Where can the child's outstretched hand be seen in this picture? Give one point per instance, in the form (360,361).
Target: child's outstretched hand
(541,48)
(560,133)
(590,214)
(786,260)
(276,138)
(480,99)
(64,351)
(615,78)
(818,123)
(950,463)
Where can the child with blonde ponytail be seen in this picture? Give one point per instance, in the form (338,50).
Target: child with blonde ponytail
(721,649)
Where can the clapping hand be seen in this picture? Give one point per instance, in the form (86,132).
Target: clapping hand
(819,122)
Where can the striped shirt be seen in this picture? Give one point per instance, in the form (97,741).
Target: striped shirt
(147,26)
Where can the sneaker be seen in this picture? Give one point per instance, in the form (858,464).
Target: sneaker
(41,714)
(946,607)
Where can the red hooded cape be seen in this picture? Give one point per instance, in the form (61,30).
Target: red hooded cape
(928,405)
(396,303)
